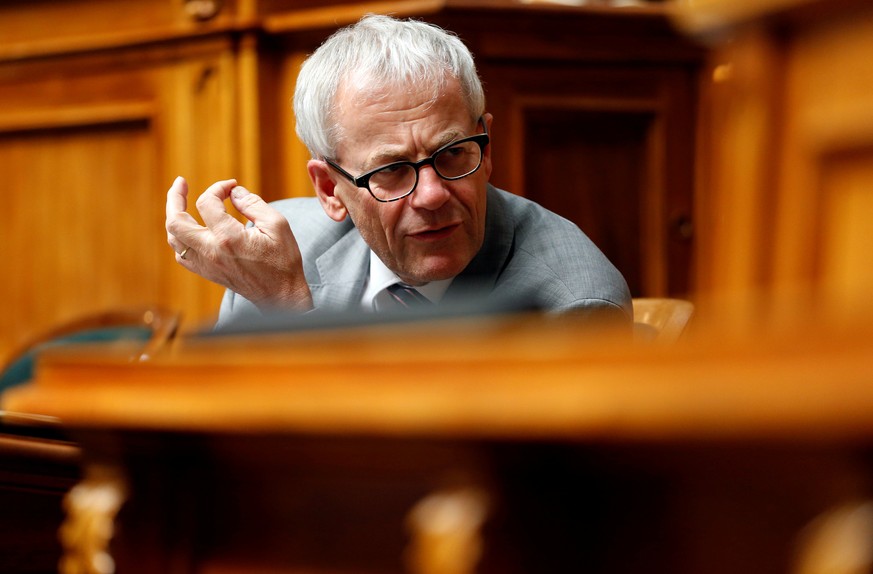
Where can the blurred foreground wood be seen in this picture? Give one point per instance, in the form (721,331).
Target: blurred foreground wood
(513,376)
(507,444)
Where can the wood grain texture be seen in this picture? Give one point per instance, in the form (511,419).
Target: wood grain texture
(786,140)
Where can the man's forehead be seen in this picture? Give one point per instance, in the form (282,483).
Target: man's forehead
(368,82)
(388,142)
(394,123)
(361,91)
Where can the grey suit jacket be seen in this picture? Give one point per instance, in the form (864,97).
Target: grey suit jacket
(529,255)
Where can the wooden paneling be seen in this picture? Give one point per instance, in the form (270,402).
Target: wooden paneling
(736,200)
(787,140)
(61,188)
(847,243)
(586,165)
(89,146)
(610,149)
(39,28)
(826,192)
(612,97)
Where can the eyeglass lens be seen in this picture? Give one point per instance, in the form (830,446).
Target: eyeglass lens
(453,162)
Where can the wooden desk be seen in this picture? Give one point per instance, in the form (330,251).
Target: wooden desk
(575,450)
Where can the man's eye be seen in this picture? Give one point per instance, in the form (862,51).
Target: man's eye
(454,150)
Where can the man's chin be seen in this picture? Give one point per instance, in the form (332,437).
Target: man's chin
(436,271)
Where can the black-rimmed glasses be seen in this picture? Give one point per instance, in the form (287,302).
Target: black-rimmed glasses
(394,181)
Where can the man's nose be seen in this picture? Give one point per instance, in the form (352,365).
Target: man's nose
(431,191)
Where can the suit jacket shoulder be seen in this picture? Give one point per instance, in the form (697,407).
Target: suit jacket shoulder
(533,255)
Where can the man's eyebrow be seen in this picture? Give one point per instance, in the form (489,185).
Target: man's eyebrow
(448,138)
(384,157)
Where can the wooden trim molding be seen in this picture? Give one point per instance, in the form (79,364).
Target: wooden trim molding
(333,16)
(19,120)
(712,17)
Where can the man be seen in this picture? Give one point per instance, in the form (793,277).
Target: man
(393,113)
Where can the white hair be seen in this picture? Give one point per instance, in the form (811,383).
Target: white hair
(386,52)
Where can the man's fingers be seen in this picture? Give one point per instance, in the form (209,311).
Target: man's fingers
(177,197)
(210,204)
(254,208)
(223,233)
(181,225)
(177,203)
(185,254)
(179,221)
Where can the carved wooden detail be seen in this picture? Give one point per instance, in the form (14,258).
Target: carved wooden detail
(446,531)
(91,507)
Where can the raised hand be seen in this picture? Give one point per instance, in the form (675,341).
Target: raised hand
(261,262)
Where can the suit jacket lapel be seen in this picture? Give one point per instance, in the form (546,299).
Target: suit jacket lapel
(481,275)
(343,270)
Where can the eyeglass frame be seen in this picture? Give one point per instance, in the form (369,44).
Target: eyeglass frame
(363,180)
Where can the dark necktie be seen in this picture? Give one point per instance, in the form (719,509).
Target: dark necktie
(407,297)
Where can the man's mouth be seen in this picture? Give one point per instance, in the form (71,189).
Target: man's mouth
(436,233)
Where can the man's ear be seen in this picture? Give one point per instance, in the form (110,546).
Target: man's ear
(324,183)
(486,159)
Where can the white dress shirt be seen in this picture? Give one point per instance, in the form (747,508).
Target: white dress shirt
(375,297)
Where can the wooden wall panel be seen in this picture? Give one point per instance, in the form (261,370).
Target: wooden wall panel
(590,166)
(46,27)
(611,150)
(846,241)
(89,146)
(736,198)
(826,200)
(69,242)
(788,148)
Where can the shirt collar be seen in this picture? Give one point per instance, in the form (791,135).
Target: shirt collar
(382,277)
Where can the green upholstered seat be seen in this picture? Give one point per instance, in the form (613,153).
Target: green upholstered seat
(20,370)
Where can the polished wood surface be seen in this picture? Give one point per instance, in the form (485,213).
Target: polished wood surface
(303,382)
(533,377)
(661,319)
(309,452)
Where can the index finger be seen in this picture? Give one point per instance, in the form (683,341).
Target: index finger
(210,204)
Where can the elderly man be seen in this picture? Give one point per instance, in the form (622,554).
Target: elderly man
(393,113)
